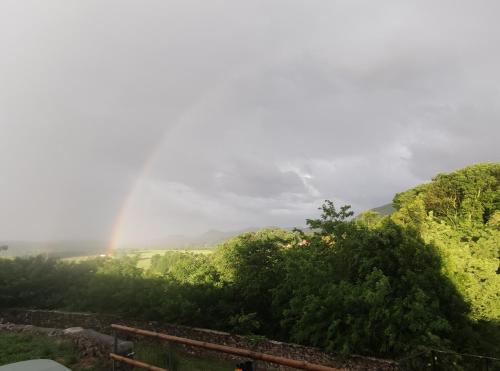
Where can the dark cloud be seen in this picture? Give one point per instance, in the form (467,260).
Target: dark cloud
(186,116)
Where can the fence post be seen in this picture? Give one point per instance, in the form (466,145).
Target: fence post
(115,347)
(169,357)
(433,354)
(171,366)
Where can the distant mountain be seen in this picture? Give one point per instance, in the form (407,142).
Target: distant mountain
(214,236)
(384,210)
(205,240)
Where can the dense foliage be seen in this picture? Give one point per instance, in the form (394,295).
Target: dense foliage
(425,276)
(459,213)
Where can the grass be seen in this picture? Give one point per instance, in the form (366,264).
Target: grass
(17,347)
(144,255)
(160,355)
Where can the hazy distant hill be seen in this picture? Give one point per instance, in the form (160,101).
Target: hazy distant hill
(383,210)
(66,249)
(60,249)
(206,240)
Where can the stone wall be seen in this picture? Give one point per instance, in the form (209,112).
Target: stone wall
(101,323)
(90,343)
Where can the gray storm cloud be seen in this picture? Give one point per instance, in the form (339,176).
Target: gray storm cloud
(134,121)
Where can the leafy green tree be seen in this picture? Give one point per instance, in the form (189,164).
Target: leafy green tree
(252,265)
(458,213)
(185,267)
(370,218)
(330,218)
(375,291)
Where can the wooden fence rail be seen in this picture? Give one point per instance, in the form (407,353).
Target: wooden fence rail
(301,365)
(135,363)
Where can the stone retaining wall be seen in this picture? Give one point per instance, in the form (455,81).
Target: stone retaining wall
(101,323)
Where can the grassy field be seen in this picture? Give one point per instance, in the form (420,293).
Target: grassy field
(146,255)
(17,347)
(143,255)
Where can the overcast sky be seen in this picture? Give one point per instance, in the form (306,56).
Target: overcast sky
(133,120)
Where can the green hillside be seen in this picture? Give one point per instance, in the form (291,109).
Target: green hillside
(384,210)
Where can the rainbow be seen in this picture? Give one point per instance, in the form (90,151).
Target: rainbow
(116,231)
(119,222)
(206,98)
